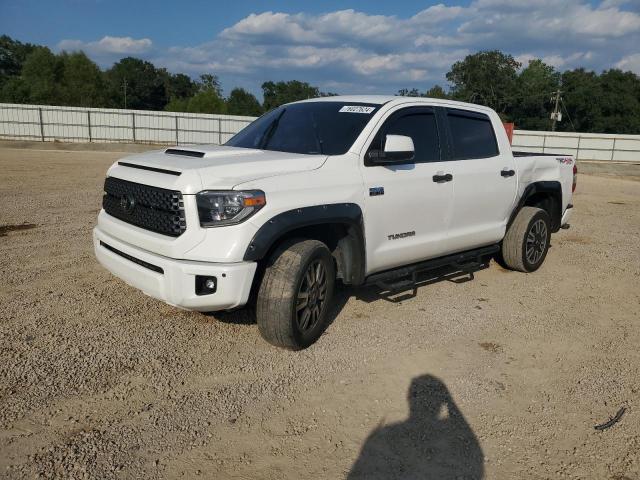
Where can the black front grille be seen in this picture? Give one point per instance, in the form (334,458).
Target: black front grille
(151,208)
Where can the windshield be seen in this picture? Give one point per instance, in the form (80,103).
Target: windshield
(327,128)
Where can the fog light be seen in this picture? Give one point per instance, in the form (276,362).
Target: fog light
(206,285)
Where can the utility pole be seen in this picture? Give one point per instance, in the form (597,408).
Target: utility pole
(124,85)
(556,116)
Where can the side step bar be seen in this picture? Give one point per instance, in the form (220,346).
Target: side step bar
(468,261)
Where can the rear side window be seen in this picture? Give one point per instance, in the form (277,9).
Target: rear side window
(472,135)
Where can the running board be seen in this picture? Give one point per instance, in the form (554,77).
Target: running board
(467,262)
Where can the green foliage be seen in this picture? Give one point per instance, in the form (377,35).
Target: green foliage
(141,81)
(177,105)
(620,103)
(209,82)
(582,98)
(487,78)
(179,86)
(605,103)
(15,90)
(42,74)
(241,102)
(12,56)
(279,93)
(531,103)
(436,92)
(82,81)
(207,99)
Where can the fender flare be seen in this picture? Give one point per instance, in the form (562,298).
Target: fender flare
(348,214)
(551,187)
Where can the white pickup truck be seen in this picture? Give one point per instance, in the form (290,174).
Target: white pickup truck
(365,189)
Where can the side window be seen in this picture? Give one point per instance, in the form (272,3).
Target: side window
(472,135)
(421,126)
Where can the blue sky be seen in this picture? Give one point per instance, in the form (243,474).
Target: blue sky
(343,47)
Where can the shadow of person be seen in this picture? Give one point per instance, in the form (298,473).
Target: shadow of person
(435,442)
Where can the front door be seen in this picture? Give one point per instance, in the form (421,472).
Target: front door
(406,209)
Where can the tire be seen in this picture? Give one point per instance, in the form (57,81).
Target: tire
(301,269)
(526,243)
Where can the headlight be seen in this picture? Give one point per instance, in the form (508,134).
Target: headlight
(228,207)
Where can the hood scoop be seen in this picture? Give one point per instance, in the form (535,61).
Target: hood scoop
(184,153)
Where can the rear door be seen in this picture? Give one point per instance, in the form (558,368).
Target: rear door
(484,180)
(406,211)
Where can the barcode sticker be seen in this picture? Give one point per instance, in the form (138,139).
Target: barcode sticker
(356,109)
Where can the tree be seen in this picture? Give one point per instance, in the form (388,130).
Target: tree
(276,94)
(210,82)
(620,103)
(581,94)
(487,78)
(436,92)
(12,56)
(177,105)
(179,86)
(531,101)
(145,88)
(15,90)
(208,99)
(82,82)
(241,102)
(42,74)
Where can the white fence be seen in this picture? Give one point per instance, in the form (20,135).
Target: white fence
(584,146)
(76,124)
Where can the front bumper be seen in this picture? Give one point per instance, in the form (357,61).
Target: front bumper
(173,281)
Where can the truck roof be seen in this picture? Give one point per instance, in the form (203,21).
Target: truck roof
(382,99)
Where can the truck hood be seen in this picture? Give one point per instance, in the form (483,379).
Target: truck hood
(195,168)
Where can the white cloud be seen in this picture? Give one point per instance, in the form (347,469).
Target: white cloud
(357,51)
(109,46)
(630,62)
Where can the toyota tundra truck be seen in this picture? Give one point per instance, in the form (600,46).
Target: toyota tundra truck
(360,189)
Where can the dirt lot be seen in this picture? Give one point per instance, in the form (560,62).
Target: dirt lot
(504,376)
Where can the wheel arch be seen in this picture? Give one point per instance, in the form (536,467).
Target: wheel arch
(339,226)
(546,195)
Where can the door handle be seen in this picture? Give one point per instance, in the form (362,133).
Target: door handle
(442,178)
(507,173)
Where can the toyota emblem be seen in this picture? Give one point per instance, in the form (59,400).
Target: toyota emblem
(127,203)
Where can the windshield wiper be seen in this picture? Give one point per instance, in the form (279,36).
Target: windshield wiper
(270,131)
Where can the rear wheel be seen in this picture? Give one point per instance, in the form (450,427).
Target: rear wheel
(295,294)
(526,243)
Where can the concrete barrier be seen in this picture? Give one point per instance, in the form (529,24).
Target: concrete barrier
(75,124)
(584,146)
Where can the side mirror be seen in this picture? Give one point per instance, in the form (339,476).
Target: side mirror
(397,148)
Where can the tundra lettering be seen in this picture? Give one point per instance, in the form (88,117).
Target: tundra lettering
(396,236)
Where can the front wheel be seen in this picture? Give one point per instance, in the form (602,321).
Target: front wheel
(526,243)
(295,294)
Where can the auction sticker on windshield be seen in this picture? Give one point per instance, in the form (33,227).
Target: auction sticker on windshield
(356,109)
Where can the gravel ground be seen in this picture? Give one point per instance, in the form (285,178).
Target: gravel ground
(504,376)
